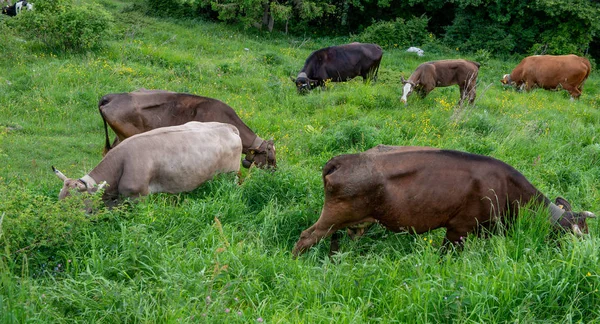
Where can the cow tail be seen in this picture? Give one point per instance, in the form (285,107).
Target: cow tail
(376,71)
(102,102)
(107,140)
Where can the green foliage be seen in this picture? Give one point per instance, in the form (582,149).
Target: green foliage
(547,27)
(37,229)
(398,33)
(64,26)
(221,253)
(501,27)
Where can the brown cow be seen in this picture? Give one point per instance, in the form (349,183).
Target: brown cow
(140,111)
(420,189)
(550,72)
(443,73)
(339,64)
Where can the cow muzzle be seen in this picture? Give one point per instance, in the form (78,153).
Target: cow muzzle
(246,164)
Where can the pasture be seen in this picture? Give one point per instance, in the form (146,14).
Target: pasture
(222,253)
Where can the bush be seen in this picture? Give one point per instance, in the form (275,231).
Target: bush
(62,26)
(37,228)
(399,33)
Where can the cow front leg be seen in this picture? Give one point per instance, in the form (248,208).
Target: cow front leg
(313,235)
(574,91)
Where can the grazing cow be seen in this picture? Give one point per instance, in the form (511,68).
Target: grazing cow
(169,159)
(140,111)
(443,73)
(550,72)
(339,64)
(418,189)
(15,9)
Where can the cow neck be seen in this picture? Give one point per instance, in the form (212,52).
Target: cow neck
(256,143)
(246,134)
(109,169)
(555,213)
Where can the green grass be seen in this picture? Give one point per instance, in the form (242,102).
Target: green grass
(191,257)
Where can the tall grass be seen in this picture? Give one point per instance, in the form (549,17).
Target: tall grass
(222,252)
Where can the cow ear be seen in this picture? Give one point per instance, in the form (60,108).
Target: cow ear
(587,214)
(293,80)
(563,203)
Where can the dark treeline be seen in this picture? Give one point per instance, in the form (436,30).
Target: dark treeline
(498,26)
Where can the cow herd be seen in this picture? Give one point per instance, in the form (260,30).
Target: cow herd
(173,142)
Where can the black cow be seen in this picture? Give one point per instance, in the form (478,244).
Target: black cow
(339,64)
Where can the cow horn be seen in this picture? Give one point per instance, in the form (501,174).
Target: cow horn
(59,174)
(576,230)
(588,214)
(102,185)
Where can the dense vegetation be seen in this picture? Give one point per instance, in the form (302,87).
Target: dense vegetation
(222,252)
(501,27)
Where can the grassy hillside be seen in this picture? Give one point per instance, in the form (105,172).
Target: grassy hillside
(222,252)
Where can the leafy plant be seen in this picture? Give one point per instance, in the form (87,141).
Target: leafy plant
(398,33)
(63,26)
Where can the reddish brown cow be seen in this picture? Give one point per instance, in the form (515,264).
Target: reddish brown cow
(143,110)
(550,72)
(420,189)
(444,73)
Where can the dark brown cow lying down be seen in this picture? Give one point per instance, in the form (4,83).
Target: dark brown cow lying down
(418,189)
(550,72)
(339,64)
(143,110)
(444,73)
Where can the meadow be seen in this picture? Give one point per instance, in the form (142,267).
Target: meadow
(222,253)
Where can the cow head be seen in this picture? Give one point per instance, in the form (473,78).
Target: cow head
(407,89)
(78,185)
(506,80)
(262,156)
(569,220)
(304,83)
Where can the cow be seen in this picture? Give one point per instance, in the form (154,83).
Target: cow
(142,110)
(339,64)
(419,189)
(443,73)
(550,72)
(15,9)
(169,159)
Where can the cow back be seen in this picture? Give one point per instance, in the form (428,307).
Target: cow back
(342,62)
(174,159)
(425,188)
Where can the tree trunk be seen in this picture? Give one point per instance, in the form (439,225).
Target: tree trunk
(267,19)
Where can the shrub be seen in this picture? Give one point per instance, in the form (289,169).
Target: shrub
(398,33)
(37,228)
(345,136)
(60,25)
